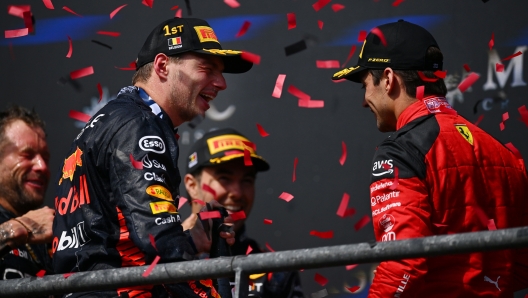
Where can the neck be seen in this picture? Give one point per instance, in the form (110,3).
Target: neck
(155,91)
(8,207)
(403,103)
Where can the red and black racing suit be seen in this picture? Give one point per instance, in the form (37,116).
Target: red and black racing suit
(439,174)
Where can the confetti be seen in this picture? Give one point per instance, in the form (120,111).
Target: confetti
(100,90)
(420,92)
(362,222)
(327,64)
(479,120)
(379,34)
(298,93)
(308,103)
(71,11)
(79,116)
(292,22)
(136,164)
(396,182)
(182,202)
(131,66)
(426,79)
(350,267)
(466,67)
(320,24)
(524,114)
(320,279)
(355,288)
(153,242)
(149,269)
(323,235)
(102,44)
(109,33)
(269,247)
(396,3)
(238,215)
(16,33)
(66,275)
(209,189)
(83,72)
(48,4)
(148,3)
(320,4)
(337,7)
(174,7)
(249,249)
(362,35)
(286,196)
(440,74)
(247,158)
(232,3)
(491,43)
(505,117)
(115,11)
(18,10)
(295,162)
(253,58)
(199,202)
(243,29)
(41,273)
(499,67)
(468,81)
(178,13)
(261,130)
(491,225)
(343,157)
(268,221)
(342,210)
(277,91)
(70,50)
(514,150)
(352,50)
(209,214)
(512,56)
(295,48)
(28,21)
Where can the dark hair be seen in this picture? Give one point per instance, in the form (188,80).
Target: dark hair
(411,78)
(13,113)
(143,73)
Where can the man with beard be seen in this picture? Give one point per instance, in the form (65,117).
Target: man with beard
(24,177)
(119,187)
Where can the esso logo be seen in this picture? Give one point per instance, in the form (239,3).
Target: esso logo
(152,143)
(387,222)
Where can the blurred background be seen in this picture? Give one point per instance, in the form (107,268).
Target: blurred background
(34,72)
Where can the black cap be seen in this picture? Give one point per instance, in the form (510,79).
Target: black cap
(222,145)
(400,45)
(180,35)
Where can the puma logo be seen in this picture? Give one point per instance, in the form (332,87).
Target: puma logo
(496,283)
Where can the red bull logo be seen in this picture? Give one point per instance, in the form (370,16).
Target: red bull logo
(70,164)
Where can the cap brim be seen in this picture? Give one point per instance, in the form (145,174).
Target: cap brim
(233,62)
(258,162)
(350,73)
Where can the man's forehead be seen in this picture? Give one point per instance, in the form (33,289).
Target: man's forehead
(20,133)
(213,60)
(233,167)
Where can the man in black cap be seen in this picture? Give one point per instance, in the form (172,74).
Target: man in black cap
(119,187)
(436,174)
(222,166)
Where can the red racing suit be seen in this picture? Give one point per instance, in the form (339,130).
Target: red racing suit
(440,174)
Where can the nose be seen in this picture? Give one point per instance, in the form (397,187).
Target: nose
(219,82)
(235,192)
(40,165)
(364,103)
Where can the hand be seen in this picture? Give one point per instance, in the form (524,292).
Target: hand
(40,223)
(202,235)
(190,221)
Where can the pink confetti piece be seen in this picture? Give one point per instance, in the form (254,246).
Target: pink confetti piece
(395,182)
(66,275)
(524,114)
(426,79)
(71,11)
(100,90)
(468,81)
(320,279)
(48,4)
(479,120)
(320,4)
(209,189)
(109,33)
(182,202)
(298,93)
(232,3)
(151,267)
(269,247)
(322,235)
(396,3)
(295,162)
(292,22)
(320,24)
(253,58)
(131,66)
(343,157)
(41,273)
(355,288)
(16,33)
(327,63)
(499,67)
(178,13)
(466,67)
(514,150)
(243,29)
(362,35)
(238,215)
(350,267)
(115,11)
(83,72)
(376,31)
(261,131)
(350,54)
(148,3)
(18,10)
(153,242)
(277,91)
(491,43)
(505,117)
(420,92)
(209,214)
(337,7)
(512,56)
(79,116)
(247,158)
(339,81)
(286,196)
(136,164)
(70,50)
(362,222)
(308,103)
(440,74)
(268,221)
(342,210)
(491,225)
(249,249)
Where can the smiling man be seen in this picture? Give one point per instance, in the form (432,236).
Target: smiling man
(119,183)
(437,174)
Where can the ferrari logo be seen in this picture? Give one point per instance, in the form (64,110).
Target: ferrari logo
(465,133)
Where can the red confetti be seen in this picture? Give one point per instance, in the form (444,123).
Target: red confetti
(131,66)
(209,214)
(440,74)
(268,221)
(148,3)
(136,164)
(199,202)
(378,33)
(270,274)
(339,81)
(71,11)
(182,202)
(468,81)
(350,267)
(320,279)
(269,247)
(362,222)
(512,56)
(396,3)
(261,130)
(48,4)
(355,288)
(505,117)
(320,4)
(109,33)
(524,114)
(286,196)
(247,158)
(295,162)
(396,182)
(514,150)
(420,92)
(491,225)
(178,13)
(277,91)
(292,22)
(426,79)
(28,21)
(491,43)
(243,29)
(362,35)
(149,269)
(479,120)
(337,7)
(238,215)
(298,93)
(41,273)
(499,67)
(232,3)
(209,189)
(249,249)
(70,50)
(100,90)
(466,67)
(342,210)
(254,58)
(343,157)
(66,275)
(153,241)
(174,7)
(327,63)
(115,11)
(18,10)
(16,33)
(323,235)
(83,72)
(79,116)
(307,103)
(352,50)
(320,24)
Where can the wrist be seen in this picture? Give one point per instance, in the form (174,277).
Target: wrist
(20,232)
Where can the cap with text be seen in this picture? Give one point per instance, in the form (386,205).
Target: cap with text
(180,35)
(400,45)
(220,146)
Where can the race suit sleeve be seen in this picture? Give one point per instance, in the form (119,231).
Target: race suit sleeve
(400,210)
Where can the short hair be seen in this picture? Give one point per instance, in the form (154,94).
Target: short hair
(143,73)
(411,78)
(14,113)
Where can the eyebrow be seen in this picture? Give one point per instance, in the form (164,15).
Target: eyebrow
(230,172)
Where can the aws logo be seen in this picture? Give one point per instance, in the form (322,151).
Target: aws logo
(385,165)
